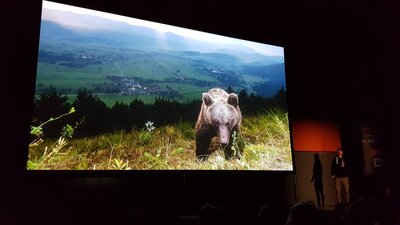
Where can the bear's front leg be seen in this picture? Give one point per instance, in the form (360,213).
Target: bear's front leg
(235,146)
(203,140)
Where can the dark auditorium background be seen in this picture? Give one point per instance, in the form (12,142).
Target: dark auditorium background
(342,58)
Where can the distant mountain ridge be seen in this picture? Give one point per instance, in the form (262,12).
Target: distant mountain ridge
(140,37)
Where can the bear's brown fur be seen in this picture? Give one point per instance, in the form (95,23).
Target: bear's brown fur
(219,116)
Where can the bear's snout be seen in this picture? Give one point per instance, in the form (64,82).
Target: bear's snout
(223,136)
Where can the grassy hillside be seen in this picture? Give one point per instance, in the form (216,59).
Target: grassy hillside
(266,137)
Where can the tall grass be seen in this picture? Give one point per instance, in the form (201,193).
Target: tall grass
(266,138)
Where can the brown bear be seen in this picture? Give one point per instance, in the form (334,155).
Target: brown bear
(219,116)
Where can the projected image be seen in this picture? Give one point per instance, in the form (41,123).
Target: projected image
(119,93)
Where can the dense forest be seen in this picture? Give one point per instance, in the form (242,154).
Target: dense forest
(94,117)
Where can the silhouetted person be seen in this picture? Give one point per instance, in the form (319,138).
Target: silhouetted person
(360,212)
(388,209)
(340,172)
(267,215)
(317,179)
(303,213)
(209,214)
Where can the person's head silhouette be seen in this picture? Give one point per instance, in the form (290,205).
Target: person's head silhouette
(339,152)
(303,213)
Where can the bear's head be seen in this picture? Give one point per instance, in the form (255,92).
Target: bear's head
(222,114)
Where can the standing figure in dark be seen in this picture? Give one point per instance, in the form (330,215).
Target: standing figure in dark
(340,172)
(317,179)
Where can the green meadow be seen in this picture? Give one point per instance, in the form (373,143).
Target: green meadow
(171,147)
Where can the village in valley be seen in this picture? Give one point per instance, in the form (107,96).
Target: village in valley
(138,86)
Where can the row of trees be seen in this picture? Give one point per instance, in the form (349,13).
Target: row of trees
(92,116)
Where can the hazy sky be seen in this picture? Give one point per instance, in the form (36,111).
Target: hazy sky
(162,28)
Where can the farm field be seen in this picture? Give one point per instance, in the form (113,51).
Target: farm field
(115,73)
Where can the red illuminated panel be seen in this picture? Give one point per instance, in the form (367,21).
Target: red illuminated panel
(315,136)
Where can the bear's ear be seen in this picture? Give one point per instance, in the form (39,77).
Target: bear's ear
(233,100)
(207,99)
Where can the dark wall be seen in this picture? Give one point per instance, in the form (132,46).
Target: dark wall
(341,66)
(62,199)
